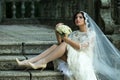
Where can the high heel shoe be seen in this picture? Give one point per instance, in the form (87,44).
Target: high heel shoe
(43,66)
(20,63)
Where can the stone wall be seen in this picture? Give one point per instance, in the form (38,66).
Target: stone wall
(107,21)
(116,10)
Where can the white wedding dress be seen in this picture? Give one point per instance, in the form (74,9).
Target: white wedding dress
(96,55)
(79,62)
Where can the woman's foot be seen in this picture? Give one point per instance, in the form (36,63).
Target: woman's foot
(36,66)
(22,63)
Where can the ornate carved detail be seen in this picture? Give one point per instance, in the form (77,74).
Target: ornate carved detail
(106,18)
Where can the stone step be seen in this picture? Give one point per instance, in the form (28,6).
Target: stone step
(23,33)
(28,47)
(8,62)
(30,75)
(22,42)
(46,75)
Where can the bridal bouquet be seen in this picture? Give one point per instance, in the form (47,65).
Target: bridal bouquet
(63,29)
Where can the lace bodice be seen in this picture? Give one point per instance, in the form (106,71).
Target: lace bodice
(85,39)
(79,36)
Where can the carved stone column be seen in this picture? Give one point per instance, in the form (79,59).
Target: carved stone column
(0,10)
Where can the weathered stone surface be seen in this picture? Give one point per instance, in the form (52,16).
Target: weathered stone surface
(107,21)
(8,62)
(14,75)
(105,3)
(116,29)
(19,39)
(26,33)
(46,75)
(37,47)
(115,39)
(10,48)
(30,75)
(25,48)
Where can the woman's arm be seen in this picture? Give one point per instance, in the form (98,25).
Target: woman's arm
(77,45)
(72,43)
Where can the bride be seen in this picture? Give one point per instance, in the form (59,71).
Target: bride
(90,55)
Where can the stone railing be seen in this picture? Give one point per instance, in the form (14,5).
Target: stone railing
(15,4)
(20,10)
(42,10)
(17,10)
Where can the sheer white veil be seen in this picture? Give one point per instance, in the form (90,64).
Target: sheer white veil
(106,57)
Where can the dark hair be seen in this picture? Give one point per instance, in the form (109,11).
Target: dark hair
(80,12)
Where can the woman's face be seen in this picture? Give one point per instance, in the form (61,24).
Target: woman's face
(79,20)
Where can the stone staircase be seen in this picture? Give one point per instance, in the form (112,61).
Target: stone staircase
(23,42)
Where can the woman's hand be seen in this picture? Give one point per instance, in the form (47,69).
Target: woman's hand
(74,44)
(65,37)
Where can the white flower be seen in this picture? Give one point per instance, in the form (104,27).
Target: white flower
(63,29)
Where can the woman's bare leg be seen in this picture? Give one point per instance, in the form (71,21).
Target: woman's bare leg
(36,58)
(46,52)
(58,52)
(43,54)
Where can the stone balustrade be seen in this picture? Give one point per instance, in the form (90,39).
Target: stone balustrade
(40,11)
